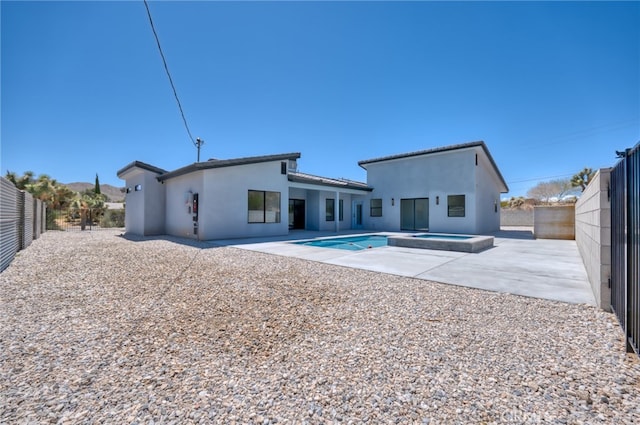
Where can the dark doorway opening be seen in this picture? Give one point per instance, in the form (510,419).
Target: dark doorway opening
(296,213)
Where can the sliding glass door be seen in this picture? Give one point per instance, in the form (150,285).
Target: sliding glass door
(414,214)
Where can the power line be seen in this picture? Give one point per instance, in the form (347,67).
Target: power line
(541,178)
(576,136)
(166,68)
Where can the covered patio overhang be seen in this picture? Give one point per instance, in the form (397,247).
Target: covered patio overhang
(340,187)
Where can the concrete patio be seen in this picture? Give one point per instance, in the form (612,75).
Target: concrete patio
(517,264)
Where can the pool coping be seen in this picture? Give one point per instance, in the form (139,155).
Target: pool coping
(304,242)
(474,243)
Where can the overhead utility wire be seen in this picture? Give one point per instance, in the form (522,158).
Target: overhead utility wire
(541,178)
(166,68)
(577,136)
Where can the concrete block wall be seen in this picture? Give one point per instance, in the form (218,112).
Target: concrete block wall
(509,217)
(554,222)
(593,235)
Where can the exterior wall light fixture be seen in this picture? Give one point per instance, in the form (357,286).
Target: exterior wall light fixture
(437,200)
(393,202)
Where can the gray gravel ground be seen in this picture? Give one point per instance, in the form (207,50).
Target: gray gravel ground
(95,328)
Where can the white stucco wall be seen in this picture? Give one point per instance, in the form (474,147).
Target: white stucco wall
(154,198)
(435,175)
(325,225)
(134,204)
(179,221)
(297,193)
(313,210)
(144,209)
(487,197)
(224,200)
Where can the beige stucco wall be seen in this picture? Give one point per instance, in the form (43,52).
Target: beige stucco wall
(509,217)
(554,222)
(593,235)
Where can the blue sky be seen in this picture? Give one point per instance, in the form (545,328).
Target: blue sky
(550,87)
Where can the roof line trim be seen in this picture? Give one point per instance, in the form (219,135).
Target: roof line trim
(460,146)
(221,163)
(298,177)
(142,165)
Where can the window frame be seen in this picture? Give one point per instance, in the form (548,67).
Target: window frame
(377,208)
(329,211)
(266,206)
(455,207)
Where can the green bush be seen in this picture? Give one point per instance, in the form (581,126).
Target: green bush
(52,217)
(112,218)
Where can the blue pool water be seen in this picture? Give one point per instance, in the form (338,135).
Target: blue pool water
(351,243)
(452,237)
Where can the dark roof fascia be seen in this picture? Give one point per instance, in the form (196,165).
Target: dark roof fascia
(139,164)
(327,181)
(422,152)
(220,163)
(439,150)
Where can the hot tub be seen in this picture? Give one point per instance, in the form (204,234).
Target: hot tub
(443,242)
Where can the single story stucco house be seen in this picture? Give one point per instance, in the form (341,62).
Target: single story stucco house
(452,189)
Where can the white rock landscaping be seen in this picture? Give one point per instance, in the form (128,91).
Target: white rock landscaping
(96,328)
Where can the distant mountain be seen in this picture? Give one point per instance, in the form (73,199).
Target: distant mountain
(113,193)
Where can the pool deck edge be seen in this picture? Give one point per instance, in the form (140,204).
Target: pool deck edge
(472,245)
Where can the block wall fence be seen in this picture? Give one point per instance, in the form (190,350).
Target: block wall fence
(593,235)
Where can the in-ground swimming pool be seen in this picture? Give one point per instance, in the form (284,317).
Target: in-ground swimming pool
(445,242)
(350,243)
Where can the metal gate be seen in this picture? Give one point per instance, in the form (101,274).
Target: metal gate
(625,245)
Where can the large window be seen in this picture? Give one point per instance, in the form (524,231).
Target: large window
(330,208)
(264,207)
(455,205)
(376,207)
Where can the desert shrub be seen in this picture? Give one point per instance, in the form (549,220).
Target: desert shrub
(112,218)
(52,219)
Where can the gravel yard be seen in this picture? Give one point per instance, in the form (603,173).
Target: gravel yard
(95,328)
